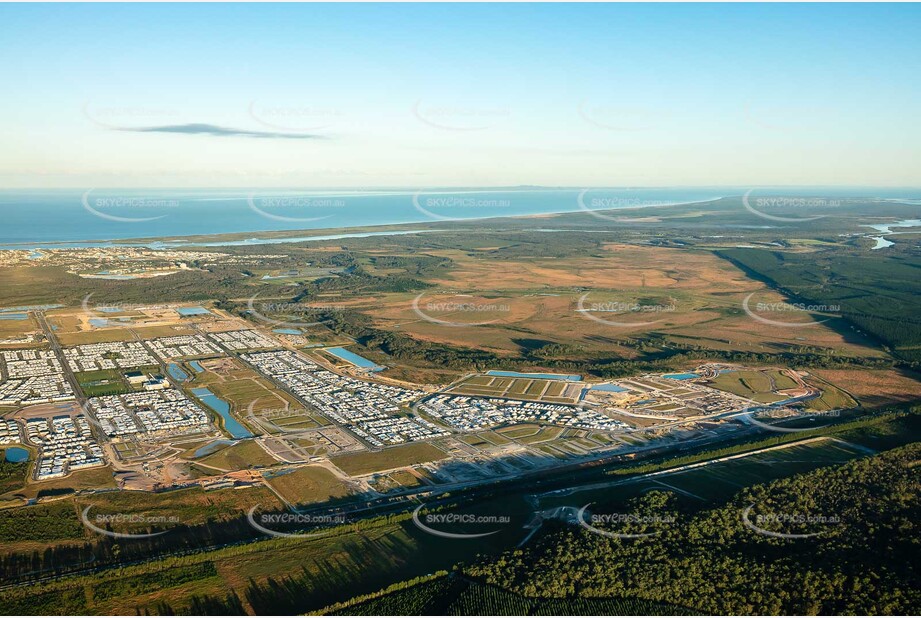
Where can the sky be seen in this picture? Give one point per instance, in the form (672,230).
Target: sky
(424,95)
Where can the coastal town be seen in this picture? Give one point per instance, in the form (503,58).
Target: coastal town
(136,398)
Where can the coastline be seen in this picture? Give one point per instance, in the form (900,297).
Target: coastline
(269,237)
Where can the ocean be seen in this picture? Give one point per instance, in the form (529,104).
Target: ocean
(62,218)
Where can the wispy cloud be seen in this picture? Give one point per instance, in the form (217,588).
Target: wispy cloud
(218,131)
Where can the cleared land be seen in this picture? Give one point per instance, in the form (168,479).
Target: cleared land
(246,454)
(528,389)
(308,485)
(356,464)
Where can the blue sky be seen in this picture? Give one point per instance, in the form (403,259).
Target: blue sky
(463,95)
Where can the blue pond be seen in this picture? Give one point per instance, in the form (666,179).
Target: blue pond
(232,425)
(176,371)
(188,311)
(99,322)
(14,454)
(681,376)
(351,357)
(196,366)
(537,376)
(610,388)
(287,331)
(14,316)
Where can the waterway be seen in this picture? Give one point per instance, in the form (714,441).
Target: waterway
(232,425)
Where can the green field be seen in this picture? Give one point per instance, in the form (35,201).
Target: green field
(832,398)
(102,382)
(755,385)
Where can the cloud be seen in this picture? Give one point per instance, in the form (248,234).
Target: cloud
(198,128)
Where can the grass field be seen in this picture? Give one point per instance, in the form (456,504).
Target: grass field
(518,431)
(241,387)
(356,464)
(307,485)
(832,398)
(755,385)
(544,435)
(102,382)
